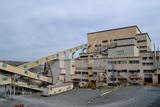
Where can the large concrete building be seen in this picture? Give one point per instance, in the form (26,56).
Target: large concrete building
(118,56)
(110,57)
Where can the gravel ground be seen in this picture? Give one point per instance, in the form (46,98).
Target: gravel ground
(135,96)
(78,97)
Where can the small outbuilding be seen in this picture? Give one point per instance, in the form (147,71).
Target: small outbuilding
(57,89)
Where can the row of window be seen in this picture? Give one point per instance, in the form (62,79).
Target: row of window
(142,46)
(85,80)
(143,51)
(98,45)
(105,41)
(148,71)
(132,71)
(150,58)
(114,70)
(148,64)
(85,73)
(124,62)
(141,41)
(145,58)
(123,70)
(147,75)
(134,62)
(119,79)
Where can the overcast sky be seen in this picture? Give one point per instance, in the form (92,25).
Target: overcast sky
(30,29)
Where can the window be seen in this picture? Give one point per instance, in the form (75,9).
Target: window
(77,72)
(85,73)
(141,41)
(157,57)
(95,73)
(147,75)
(98,45)
(73,65)
(85,80)
(121,62)
(151,58)
(148,71)
(112,62)
(89,67)
(113,79)
(142,51)
(104,41)
(110,70)
(142,46)
(144,58)
(134,61)
(132,71)
(148,64)
(123,70)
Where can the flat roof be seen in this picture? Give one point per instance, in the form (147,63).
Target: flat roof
(116,29)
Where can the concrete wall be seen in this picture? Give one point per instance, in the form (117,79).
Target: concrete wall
(62,70)
(125,67)
(108,35)
(144,42)
(57,89)
(127,51)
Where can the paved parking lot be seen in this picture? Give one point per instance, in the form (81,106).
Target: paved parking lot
(135,96)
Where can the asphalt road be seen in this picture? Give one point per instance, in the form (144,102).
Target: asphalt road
(135,96)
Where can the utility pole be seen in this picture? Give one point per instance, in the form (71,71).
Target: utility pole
(113,66)
(113,73)
(10,88)
(14,78)
(158,64)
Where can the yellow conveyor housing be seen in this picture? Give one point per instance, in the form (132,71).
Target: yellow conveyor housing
(59,55)
(23,72)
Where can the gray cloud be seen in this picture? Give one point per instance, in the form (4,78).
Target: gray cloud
(30,29)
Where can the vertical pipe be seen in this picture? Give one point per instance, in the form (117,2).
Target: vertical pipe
(22,91)
(14,89)
(5,94)
(10,90)
(14,85)
(155,57)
